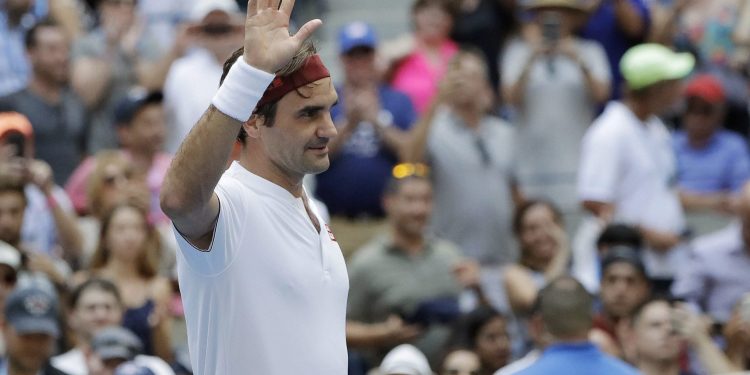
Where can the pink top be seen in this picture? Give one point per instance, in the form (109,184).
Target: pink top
(77,184)
(419,78)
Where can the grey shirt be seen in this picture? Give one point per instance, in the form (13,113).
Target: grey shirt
(557,109)
(717,273)
(384,280)
(59,129)
(472,172)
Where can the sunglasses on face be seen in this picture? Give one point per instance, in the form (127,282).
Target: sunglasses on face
(112,179)
(217,29)
(404,170)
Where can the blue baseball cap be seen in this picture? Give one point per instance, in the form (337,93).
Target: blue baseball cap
(133,102)
(356,34)
(32,309)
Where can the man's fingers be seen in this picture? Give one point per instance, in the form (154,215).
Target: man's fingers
(287,6)
(307,29)
(263,4)
(252,8)
(275,4)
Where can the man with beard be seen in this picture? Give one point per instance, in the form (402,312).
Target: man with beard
(404,286)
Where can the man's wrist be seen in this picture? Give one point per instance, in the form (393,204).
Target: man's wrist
(241,90)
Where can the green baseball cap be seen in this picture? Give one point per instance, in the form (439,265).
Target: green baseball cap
(647,64)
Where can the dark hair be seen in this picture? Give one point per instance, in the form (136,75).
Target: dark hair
(620,234)
(466,331)
(30,38)
(268,111)
(526,206)
(566,307)
(94,283)
(448,6)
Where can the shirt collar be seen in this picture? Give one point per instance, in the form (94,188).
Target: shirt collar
(261,184)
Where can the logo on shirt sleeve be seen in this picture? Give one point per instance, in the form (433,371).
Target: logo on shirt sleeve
(330,233)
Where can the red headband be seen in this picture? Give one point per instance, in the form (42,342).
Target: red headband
(311,71)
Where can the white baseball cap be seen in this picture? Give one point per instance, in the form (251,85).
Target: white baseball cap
(203,7)
(10,256)
(405,359)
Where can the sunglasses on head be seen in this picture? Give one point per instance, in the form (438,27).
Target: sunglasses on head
(404,170)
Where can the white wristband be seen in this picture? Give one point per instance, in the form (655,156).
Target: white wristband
(242,89)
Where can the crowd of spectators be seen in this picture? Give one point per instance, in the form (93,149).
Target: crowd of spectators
(518,186)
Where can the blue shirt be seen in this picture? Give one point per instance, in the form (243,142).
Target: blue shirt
(722,165)
(354,183)
(604,28)
(577,359)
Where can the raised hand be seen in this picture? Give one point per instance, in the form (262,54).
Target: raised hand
(268,45)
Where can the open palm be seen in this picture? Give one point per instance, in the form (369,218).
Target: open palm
(268,44)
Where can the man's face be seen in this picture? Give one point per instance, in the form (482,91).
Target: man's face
(702,118)
(96,309)
(219,34)
(471,82)
(147,129)
(653,333)
(27,353)
(359,65)
(297,143)
(409,208)
(50,55)
(664,96)
(493,344)
(12,206)
(623,288)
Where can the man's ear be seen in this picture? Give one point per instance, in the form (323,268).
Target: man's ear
(253,125)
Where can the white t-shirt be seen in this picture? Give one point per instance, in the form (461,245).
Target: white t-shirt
(269,297)
(73,362)
(630,164)
(190,85)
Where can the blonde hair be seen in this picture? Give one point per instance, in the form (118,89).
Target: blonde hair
(148,261)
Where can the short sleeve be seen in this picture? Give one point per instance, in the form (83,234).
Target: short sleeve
(739,167)
(227,234)
(599,166)
(513,60)
(596,61)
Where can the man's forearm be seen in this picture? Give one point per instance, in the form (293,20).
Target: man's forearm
(629,19)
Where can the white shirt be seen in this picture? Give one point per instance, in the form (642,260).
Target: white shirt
(73,362)
(269,297)
(630,163)
(190,85)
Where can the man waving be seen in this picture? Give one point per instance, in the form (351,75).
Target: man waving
(263,280)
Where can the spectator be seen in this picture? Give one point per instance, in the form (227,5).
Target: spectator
(737,334)
(567,311)
(471,156)
(715,275)
(141,131)
(128,255)
(49,223)
(372,119)
(555,80)
(712,163)
(109,61)
(404,287)
(617,25)
(418,70)
(545,253)
(95,305)
(35,265)
(627,161)
(660,332)
(30,328)
(16,17)
(587,269)
(217,31)
(111,347)
(624,286)
(10,263)
(485,332)
(540,339)
(460,362)
(405,359)
(486,25)
(55,111)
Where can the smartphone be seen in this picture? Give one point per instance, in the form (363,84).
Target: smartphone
(551,25)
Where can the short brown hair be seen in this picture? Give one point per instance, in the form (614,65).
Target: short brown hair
(566,307)
(268,111)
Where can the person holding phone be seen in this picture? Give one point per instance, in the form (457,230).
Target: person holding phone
(555,81)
